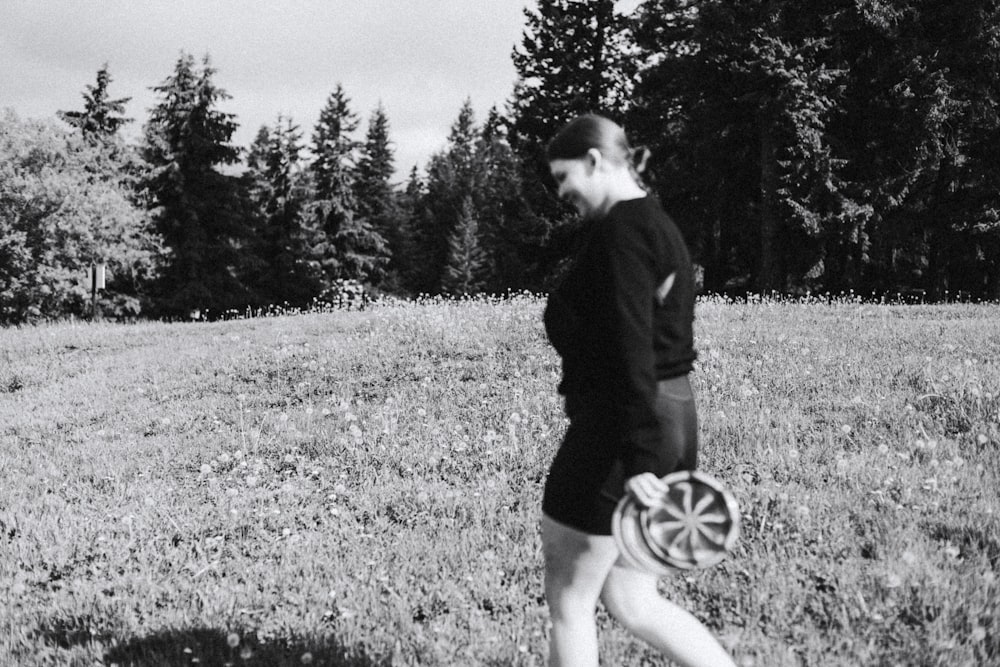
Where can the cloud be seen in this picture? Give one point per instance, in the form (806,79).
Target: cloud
(420,58)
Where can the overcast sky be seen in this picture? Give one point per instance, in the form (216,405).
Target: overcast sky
(420,58)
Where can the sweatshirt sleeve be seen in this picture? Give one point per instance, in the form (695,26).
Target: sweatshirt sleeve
(632,290)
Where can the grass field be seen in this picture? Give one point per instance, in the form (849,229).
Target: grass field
(363,488)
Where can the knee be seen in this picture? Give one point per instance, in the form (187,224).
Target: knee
(629,598)
(566,595)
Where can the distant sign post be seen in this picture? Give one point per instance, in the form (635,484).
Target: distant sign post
(97,281)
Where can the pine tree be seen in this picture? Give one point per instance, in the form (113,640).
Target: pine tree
(101,117)
(406,269)
(463,273)
(377,203)
(574,58)
(279,196)
(375,169)
(196,207)
(453,176)
(335,154)
(846,134)
(736,104)
(349,246)
(507,226)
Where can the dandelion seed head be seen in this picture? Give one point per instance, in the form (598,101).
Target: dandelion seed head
(233,640)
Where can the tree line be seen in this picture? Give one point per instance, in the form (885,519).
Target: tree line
(801,146)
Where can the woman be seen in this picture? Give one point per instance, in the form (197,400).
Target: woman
(622,322)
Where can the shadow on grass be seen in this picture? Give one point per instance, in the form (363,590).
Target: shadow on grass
(211,647)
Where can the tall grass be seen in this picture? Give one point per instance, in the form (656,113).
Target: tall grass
(363,488)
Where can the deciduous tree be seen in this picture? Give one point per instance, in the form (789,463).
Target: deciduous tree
(63,206)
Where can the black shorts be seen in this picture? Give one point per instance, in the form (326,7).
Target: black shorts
(587,478)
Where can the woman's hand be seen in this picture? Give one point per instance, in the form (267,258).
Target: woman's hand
(646,488)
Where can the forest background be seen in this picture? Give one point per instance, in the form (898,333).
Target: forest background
(803,147)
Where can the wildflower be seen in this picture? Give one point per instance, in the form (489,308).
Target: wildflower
(845,429)
(306,658)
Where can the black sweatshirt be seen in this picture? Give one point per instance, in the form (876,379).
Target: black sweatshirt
(607,322)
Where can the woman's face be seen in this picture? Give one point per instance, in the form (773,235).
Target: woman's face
(578,184)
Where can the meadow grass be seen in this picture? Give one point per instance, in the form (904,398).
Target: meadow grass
(363,488)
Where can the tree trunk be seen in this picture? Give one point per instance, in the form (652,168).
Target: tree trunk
(768,272)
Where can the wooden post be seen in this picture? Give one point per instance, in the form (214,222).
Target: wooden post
(97,281)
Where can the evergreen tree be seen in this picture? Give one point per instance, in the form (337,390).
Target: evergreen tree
(349,246)
(374,171)
(574,58)
(452,177)
(507,226)
(841,132)
(406,269)
(918,121)
(101,117)
(463,273)
(335,155)
(196,207)
(376,201)
(281,241)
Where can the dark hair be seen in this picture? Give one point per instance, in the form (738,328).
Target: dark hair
(593,131)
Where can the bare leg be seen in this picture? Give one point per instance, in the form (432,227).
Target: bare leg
(631,597)
(576,565)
